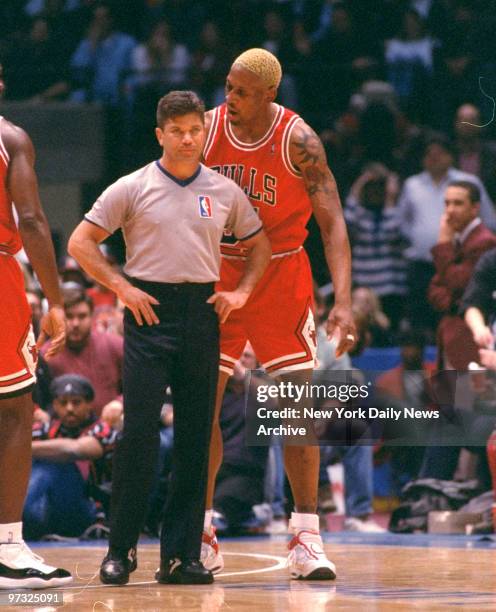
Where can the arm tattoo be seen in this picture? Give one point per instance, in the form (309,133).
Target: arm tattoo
(311,159)
(308,148)
(316,181)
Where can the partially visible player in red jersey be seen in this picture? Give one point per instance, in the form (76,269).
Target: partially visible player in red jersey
(280,163)
(19,566)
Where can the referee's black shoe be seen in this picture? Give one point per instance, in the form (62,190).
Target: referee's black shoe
(189,571)
(116,566)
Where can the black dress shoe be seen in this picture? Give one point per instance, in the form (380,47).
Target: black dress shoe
(116,566)
(189,571)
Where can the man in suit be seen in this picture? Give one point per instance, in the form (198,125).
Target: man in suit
(463,238)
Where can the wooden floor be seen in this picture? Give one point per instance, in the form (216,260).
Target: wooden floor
(374,573)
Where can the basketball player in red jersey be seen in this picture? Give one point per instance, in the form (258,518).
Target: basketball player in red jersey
(19,566)
(280,163)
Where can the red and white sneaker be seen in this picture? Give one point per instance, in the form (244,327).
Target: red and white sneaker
(210,555)
(307,559)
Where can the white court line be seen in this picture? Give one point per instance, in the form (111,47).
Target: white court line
(280,564)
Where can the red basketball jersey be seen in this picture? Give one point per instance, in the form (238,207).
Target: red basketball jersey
(264,171)
(10,239)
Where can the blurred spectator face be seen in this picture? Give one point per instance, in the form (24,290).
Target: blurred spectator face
(437,160)
(374,193)
(109,319)
(78,319)
(72,410)
(412,25)
(160,36)
(102,19)
(53,7)
(465,115)
(36,309)
(209,35)
(364,300)
(70,272)
(39,31)
(341,20)
(273,25)
(412,356)
(248,359)
(457,65)
(460,210)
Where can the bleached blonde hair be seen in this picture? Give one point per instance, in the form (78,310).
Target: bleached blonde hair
(262,63)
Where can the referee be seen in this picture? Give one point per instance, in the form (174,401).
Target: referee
(173,213)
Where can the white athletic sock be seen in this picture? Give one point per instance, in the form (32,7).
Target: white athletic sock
(10,533)
(300,521)
(207,525)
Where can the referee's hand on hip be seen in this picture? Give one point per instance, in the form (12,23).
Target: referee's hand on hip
(140,304)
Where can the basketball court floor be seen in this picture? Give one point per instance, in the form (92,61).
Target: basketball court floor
(375,572)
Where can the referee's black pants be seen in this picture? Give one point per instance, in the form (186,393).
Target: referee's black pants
(181,351)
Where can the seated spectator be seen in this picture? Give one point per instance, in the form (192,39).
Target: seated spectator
(376,238)
(95,355)
(71,453)
(377,324)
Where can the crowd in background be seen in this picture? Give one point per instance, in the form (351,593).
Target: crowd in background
(395,89)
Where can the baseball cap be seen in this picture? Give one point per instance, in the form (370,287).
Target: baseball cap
(72,384)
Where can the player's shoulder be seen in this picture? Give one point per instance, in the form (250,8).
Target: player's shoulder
(209,115)
(301,130)
(14,137)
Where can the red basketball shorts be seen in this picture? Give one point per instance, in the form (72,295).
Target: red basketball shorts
(277,318)
(17,343)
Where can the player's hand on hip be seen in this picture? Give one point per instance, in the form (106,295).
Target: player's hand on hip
(341,326)
(140,304)
(53,327)
(227,301)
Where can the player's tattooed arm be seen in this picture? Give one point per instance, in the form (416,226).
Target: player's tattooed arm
(308,155)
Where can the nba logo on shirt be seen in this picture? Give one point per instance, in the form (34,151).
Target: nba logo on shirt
(205,207)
